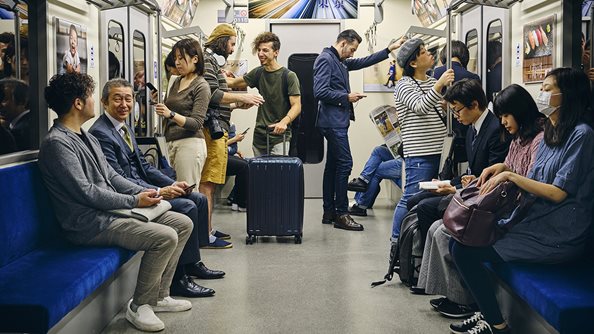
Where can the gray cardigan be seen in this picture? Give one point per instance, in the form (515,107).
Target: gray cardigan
(82,185)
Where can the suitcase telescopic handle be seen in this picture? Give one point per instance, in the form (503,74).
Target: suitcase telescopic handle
(268,132)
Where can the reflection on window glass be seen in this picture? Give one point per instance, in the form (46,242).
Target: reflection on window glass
(472,44)
(494,78)
(140,115)
(115,59)
(17,125)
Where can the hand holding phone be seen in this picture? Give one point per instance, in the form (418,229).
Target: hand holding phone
(244,132)
(151,87)
(190,188)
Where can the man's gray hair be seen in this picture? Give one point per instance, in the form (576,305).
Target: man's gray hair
(113,83)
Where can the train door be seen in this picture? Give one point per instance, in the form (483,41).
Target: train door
(127,53)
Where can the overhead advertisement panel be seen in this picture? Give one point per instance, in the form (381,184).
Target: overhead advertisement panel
(303,9)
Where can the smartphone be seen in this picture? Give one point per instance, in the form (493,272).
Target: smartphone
(151,87)
(190,187)
(246,130)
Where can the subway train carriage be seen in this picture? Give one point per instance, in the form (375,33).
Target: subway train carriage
(307,166)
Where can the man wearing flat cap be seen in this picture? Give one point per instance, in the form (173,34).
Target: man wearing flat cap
(335,110)
(218,47)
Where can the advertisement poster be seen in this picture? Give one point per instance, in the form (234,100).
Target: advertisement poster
(381,77)
(303,9)
(180,11)
(71,47)
(429,11)
(538,49)
(385,120)
(236,68)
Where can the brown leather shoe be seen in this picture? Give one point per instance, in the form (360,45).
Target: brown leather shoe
(328,218)
(346,222)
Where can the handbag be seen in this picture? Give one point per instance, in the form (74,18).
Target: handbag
(472,219)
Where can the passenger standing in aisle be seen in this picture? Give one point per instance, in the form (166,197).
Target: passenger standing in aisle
(220,44)
(84,189)
(335,109)
(279,88)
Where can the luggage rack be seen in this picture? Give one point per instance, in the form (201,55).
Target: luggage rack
(491,3)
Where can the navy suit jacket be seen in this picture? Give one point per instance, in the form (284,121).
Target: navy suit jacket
(332,88)
(117,153)
(488,148)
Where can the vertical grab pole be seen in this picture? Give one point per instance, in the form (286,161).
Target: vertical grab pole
(448,66)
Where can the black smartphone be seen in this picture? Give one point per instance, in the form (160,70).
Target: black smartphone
(190,187)
(246,130)
(151,87)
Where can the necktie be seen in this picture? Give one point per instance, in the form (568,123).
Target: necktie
(474,133)
(127,137)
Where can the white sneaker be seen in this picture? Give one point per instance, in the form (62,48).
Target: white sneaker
(144,318)
(234,207)
(169,304)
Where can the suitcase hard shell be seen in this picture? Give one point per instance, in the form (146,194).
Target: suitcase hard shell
(275,193)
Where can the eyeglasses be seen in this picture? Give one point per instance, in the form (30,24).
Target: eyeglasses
(457,112)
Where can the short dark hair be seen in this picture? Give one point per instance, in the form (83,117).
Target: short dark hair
(575,104)
(493,52)
(170,60)
(516,101)
(20,91)
(466,91)
(219,45)
(6,37)
(459,50)
(266,37)
(63,89)
(350,36)
(113,83)
(72,28)
(191,47)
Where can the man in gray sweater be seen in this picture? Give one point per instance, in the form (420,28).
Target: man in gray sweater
(84,189)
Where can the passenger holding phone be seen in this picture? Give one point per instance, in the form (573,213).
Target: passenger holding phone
(122,153)
(238,166)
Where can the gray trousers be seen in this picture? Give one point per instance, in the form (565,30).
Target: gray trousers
(439,275)
(162,242)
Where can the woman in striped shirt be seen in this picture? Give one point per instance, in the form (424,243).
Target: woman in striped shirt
(417,97)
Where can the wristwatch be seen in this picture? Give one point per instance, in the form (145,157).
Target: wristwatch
(171,115)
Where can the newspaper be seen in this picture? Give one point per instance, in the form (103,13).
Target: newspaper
(385,120)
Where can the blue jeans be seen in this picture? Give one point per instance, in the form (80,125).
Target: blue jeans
(339,163)
(381,165)
(417,169)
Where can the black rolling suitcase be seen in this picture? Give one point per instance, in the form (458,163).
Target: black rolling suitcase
(275,197)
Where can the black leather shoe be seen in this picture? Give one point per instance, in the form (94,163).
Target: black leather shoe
(346,222)
(200,271)
(356,210)
(357,185)
(415,290)
(328,218)
(184,286)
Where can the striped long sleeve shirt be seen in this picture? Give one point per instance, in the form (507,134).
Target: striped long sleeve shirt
(422,129)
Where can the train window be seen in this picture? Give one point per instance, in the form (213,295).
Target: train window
(472,44)
(494,37)
(116,47)
(18,126)
(139,56)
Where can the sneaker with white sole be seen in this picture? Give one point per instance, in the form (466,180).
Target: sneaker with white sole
(238,208)
(483,327)
(144,318)
(169,304)
(464,326)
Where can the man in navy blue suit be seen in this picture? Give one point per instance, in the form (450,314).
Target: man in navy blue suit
(119,146)
(335,109)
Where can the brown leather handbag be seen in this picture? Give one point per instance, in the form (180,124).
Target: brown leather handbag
(472,218)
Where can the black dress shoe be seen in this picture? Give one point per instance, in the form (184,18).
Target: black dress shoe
(356,210)
(184,286)
(200,271)
(415,290)
(328,218)
(357,185)
(346,222)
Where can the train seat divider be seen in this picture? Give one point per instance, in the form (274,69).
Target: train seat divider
(43,277)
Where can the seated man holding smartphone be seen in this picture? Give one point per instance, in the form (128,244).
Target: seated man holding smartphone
(119,146)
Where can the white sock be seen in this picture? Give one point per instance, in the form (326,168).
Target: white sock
(211,238)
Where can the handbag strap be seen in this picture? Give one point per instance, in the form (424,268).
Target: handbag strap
(434,108)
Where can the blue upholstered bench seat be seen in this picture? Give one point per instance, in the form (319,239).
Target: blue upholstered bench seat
(42,276)
(562,294)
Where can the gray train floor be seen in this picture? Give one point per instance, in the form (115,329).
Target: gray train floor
(319,286)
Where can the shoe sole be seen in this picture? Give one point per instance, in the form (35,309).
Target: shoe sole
(358,214)
(210,277)
(154,328)
(186,295)
(327,222)
(224,238)
(158,309)
(349,229)
(456,316)
(358,190)
(211,247)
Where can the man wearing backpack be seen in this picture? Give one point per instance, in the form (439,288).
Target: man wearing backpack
(280,89)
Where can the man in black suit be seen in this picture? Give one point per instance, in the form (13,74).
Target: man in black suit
(121,150)
(14,108)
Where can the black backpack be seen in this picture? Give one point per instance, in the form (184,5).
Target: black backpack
(407,253)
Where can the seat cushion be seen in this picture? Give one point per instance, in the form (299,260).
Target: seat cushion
(562,294)
(40,288)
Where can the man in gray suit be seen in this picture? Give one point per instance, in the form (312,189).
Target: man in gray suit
(84,188)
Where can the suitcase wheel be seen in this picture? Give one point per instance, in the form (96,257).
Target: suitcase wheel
(298,238)
(250,239)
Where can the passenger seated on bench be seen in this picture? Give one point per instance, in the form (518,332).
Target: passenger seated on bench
(380,165)
(561,181)
(238,166)
(438,275)
(118,143)
(84,188)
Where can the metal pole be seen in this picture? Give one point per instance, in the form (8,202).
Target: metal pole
(448,66)
(17,43)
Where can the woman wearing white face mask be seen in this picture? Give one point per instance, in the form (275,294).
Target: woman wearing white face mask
(562,184)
